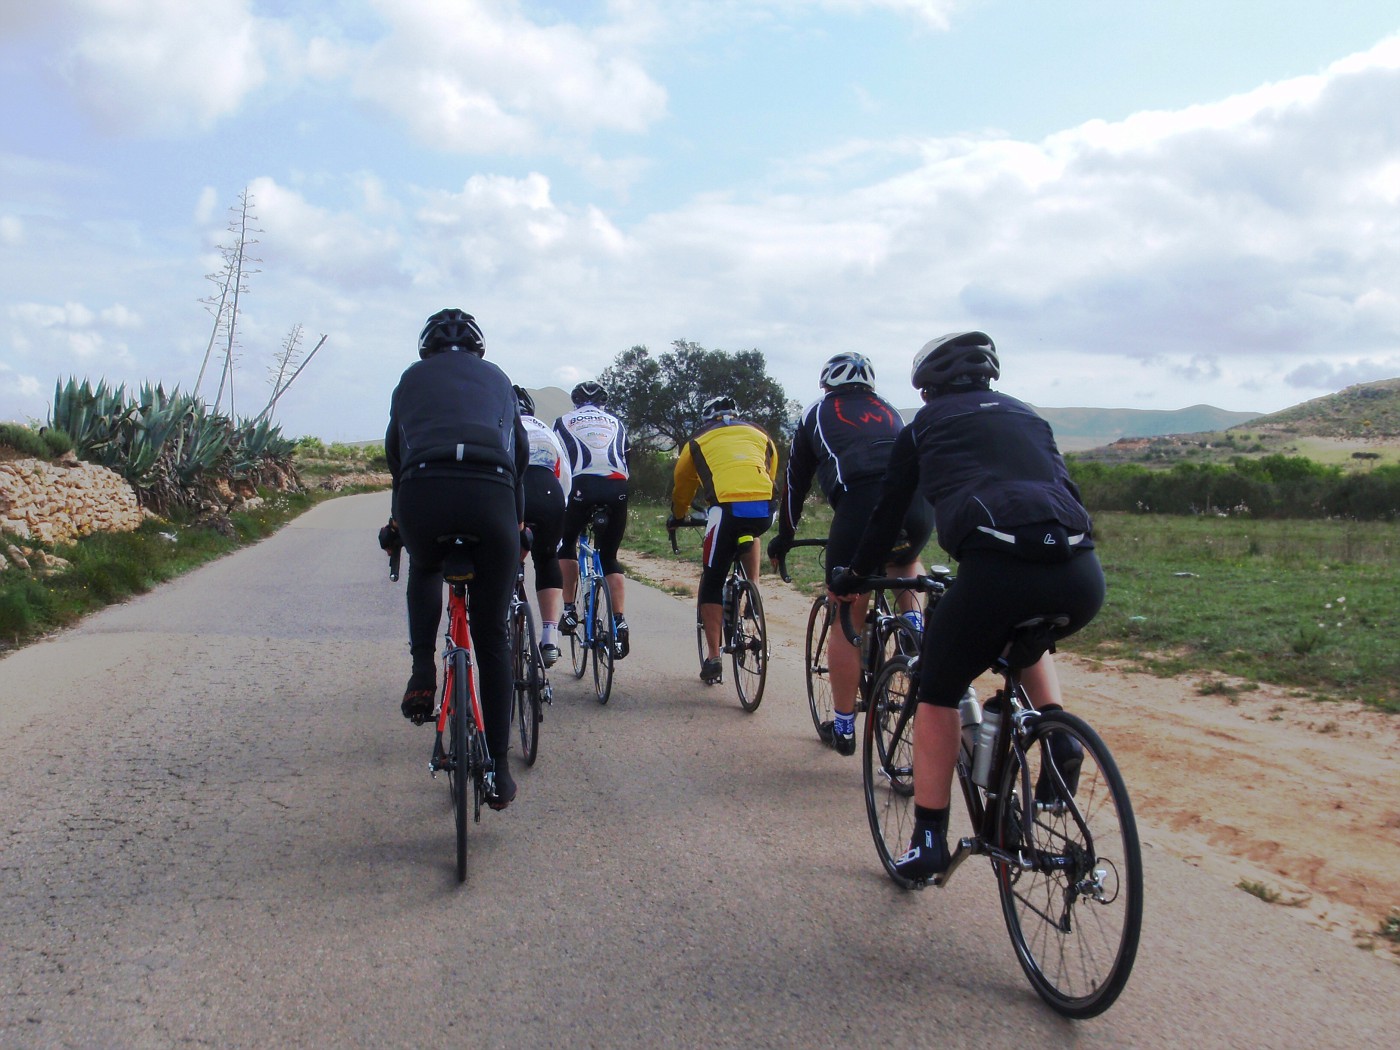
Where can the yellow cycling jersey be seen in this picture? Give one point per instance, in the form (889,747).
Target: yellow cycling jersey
(729,459)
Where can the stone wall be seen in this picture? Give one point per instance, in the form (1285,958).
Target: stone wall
(58,502)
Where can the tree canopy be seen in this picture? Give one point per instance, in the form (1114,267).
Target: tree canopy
(660,398)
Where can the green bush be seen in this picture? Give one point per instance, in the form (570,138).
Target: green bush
(24,440)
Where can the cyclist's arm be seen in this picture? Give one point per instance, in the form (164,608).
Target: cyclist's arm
(797,482)
(896,492)
(522,464)
(687,483)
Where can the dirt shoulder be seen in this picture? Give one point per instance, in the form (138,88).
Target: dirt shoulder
(1296,797)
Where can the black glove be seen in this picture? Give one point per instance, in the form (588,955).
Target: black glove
(672,523)
(527,540)
(389,539)
(844,582)
(778,547)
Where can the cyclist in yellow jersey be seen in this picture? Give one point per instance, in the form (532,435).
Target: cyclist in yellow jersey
(735,464)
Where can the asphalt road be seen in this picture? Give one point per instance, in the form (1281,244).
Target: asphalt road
(216,829)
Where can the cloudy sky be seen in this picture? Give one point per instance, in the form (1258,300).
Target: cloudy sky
(1148,204)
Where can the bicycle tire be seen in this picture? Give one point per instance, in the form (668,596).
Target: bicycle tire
(818,669)
(748,640)
(887,761)
(701,650)
(604,651)
(1074,925)
(526,709)
(578,640)
(460,772)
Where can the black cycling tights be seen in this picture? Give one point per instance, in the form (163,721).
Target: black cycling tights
(590,490)
(427,508)
(965,631)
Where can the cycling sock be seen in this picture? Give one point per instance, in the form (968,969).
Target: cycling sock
(549,632)
(845,724)
(926,819)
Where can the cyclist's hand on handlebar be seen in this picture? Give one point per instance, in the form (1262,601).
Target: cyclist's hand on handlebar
(778,546)
(845,584)
(389,539)
(527,539)
(672,523)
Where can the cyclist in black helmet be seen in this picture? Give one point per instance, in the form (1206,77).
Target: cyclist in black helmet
(595,442)
(1006,509)
(457,453)
(731,463)
(843,440)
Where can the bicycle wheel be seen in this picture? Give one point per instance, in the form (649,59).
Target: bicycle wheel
(600,608)
(1073,906)
(888,763)
(459,769)
(819,624)
(578,641)
(700,649)
(526,709)
(749,645)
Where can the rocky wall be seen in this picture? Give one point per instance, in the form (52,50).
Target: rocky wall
(58,502)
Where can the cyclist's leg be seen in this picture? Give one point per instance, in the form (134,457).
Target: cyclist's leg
(716,552)
(491,517)
(424,512)
(544,507)
(904,558)
(614,492)
(574,518)
(848,519)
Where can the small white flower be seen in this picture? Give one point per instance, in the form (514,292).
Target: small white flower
(1328,605)
(1340,600)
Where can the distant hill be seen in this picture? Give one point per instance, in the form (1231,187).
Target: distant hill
(550,402)
(1077,429)
(1367,410)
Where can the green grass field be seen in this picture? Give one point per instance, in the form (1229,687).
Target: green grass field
(1309,605)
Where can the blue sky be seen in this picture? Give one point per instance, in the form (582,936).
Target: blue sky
(1147,205)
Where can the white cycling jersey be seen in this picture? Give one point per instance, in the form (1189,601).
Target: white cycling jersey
(546,451)
(595,442)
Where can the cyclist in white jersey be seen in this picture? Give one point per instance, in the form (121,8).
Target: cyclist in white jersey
(595,443)
(547,482)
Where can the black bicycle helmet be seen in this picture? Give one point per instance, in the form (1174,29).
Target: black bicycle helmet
(527,403)
(717,407)
(957,359)
(451,328)
(589,393)
(849,367)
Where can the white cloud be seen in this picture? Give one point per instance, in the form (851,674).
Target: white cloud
(157,67)
(11,231)
(477,76)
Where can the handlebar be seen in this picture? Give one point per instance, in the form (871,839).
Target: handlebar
(684,523)
(935,581)
(394,563)
(782,562)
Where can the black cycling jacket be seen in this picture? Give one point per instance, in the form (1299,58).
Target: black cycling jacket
(456,414)
(843,439)
(990,467)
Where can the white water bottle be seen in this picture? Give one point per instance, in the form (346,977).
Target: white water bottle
(970,714)
(986,742)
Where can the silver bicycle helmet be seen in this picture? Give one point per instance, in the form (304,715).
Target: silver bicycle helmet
(957,359)
(717,407)
(589,393)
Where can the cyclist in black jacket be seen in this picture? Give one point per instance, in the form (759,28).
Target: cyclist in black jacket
(1006,509)
(457,453)
(843,440)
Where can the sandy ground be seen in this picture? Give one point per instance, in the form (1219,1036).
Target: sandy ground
(1298,798)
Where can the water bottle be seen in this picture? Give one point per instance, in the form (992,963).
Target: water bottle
(986,742)
(915,619)
(970,714)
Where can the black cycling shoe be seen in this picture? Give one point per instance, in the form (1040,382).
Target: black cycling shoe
(927,857)
(568,623)
(712,670)
(417,703)
(1068,755)
(841,743)
(621,640)
(503,793)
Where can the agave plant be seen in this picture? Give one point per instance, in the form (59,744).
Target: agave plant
(92,417)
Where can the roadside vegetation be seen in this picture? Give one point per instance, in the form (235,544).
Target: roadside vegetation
(1307,605)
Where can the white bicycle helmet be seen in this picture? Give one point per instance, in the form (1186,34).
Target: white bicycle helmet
(848,367)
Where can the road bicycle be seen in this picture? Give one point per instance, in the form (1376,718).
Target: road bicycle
(744,635)
(532,688)
(594,633)
(885,633)
(1047,806)
(459,745)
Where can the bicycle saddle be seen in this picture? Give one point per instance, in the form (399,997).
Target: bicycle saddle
(1031,639)
(457,564)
